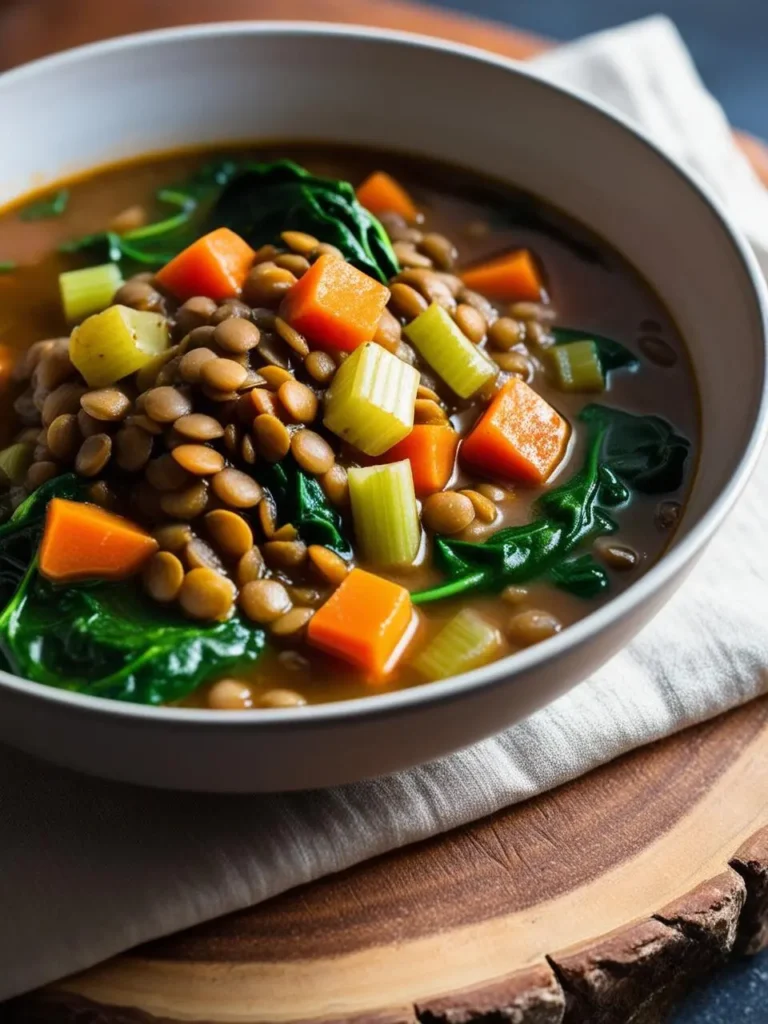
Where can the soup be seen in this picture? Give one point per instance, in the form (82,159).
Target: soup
(271,441)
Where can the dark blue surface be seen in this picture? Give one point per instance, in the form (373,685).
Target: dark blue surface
(729,42)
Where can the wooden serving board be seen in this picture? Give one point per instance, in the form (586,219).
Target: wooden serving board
(598,903)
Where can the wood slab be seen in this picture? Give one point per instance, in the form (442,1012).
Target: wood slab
(598,903)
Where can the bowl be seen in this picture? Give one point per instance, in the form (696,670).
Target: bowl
(209,84)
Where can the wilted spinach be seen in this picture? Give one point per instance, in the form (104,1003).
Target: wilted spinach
(300,500)
(612,354)
(642,451)
(51,206)
(258,201)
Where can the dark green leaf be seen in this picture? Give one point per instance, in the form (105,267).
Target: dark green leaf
(581,576)
(300,500)
(612,354)
(7,266)
(44,209)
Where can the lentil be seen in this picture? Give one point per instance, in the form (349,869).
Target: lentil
(206,594)
(165,474)
(250,567)
(291,337)
(513,594)
(617,556)
(163,576)
(299,401)
(312,452)
(140,295)
(40,473)
(447,512)
(331,567)
(195,312)
(64,399)
(407,302)
(531,627)
(485,510)
(274,376)
(336,486)
(198,459)
(173,536)
(198,427)
(272,438)
(298,265)
(293,622)
(192,363)
(63,437)
(222,374)
(236,489)
(187,503)
(658,351)
(230,695)
(280,698)
(388,332)
(247,451)
(439,249)
(320,366)
(199,555)
(426,410)
(284,554)
(93,455)
(668,514)
(237,335)
(133,448)
(267,284)
(267,516)
(470,322)
(300,242)
(407,256)
(505,333)
(532,311)
(166,404)
(263,601)
(230,533)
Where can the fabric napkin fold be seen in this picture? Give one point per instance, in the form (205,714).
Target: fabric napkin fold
(89,868)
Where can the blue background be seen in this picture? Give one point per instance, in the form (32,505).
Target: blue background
(729,42)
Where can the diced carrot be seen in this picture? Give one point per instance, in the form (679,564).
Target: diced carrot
(365,621)
(380,193)
(431,449)
(335,305)
(83,541)
(216,265)
(509,278)
(519,436)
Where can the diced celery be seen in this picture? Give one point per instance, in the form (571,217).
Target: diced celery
(14,462)
(464,367)
(577,366)
(371,399)
(88,291)
(466,641)
(385,513)
(108,346)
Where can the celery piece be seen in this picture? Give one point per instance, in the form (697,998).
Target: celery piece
(464,367)
(14,463)
(577,366)
(110,345)
(371,399)
(88,291)
(466,641)
(385,514)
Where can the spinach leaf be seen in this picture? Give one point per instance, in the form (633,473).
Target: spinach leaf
(264,199)
(51,206)
(7,266)
(103,639)
(301,500)
(643,452)
(612,354)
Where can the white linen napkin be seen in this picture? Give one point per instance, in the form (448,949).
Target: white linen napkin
(90,868)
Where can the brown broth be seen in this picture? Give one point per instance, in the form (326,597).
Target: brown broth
(591,286)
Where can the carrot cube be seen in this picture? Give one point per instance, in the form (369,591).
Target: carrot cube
(365,621)
(431,450)
(216,265)
(83,541)
(510,278)
(380,193)
(335,305)
(518,436)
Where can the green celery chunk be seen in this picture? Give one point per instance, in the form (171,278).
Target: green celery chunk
(385,513)
(577,366)
(464,367)
(110,345)
(89,290)
(371,399)
(465,642)
(14,462)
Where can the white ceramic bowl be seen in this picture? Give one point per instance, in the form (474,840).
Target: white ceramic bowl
(154,92)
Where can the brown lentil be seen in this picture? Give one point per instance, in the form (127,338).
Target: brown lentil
(531,627)
(206,594)
(198,427)
(166,404)
(284,554)
(447,512)
(229,695)
(312,452)
(407,302)
(168,372)
(163,576)
(291,337)
(658,351)
(300,241)
(263,601)
(424,392)
(274,351)
(261,402)
(617,556)
(236,489)
(298,400)
(513,594)
(265,253)
(26,411)
(140,295)
(54,367)
(388,332)
(298,265)
(237,335)
(267,517)
(267,284)
(505,333)
(532,311)
(250,567)
(320,366)
(537,334)
(292,623)
(280,698)
(133,448)
(232,437)
(63,437)
(228,309)
(305,596)
(248,451)
(187,503)
(331,567)
(408,257)
(286,532)
(274,376)
(430,286)
(272,438)
(230,533)
(165,474)
(222,374)
(667,514)
(480,303)
(200,555)
(426,410)
(192,363)
(336,486)
(173,536)
(198,459)
(514,362)
(485,510)
(93,455)
(101,494)
(493,492)
(195,312)
(64,399)
(40,473)
(470,322)
(106,404)
(439,249)
(326,249)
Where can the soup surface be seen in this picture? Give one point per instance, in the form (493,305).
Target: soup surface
(471,400)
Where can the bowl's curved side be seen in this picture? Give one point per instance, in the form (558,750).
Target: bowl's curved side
(347,85)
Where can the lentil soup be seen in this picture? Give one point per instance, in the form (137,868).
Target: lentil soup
(272,441)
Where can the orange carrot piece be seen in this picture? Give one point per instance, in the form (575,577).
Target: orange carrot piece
(510,278)
(335,305)
(83,541)
(364,621)
(380,193)
(216,265)
(519,436)
(431,450)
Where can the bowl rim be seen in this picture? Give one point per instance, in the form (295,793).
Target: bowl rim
(671,562)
